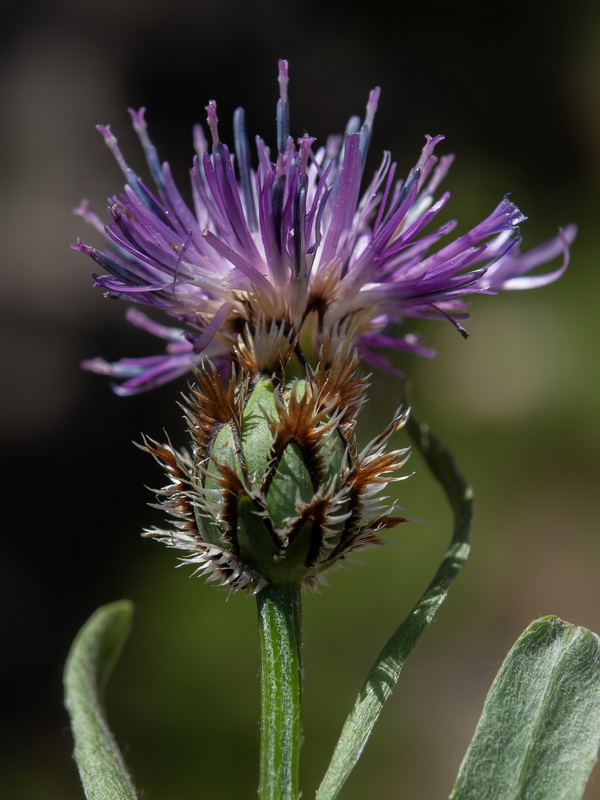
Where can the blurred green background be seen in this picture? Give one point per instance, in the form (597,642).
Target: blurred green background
(515,89)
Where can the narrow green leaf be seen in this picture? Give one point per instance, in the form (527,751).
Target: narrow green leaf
(89,665)
(539,733)
(386,670)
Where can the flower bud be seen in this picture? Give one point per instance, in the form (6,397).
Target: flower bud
(275,490)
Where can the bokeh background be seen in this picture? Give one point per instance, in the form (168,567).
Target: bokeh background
(514,86)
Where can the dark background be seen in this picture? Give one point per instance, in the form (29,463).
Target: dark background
(515,89)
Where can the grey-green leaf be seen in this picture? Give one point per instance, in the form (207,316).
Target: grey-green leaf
(539,733)
(89,665)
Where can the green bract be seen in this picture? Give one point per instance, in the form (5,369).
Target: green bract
(275,477)
(274,490)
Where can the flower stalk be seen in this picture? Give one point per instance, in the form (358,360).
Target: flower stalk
(280,636)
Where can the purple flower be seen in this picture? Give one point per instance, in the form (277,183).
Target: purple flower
(295,242)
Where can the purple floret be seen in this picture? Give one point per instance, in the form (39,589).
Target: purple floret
(295,242)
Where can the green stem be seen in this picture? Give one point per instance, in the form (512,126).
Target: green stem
(280,634)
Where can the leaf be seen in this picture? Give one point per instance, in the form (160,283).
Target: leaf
(539,732)
(386,670)
(89,665)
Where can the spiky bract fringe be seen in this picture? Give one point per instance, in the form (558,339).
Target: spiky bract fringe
(275,489)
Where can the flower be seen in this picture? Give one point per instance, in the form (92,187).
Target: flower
(275,489)
(296,242)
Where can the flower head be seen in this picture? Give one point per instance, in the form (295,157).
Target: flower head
(296,243)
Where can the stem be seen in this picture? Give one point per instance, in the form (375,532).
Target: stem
(280,634)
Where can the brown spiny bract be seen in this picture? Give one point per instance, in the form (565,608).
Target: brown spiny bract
(211,405)
(274,490)
(266,352)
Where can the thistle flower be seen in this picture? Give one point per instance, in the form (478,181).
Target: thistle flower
(275,490)
(295,241)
